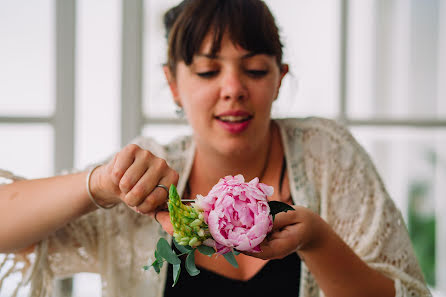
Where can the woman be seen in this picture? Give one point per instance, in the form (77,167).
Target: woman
(224,69)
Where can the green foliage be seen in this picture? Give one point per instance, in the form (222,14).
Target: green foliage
(190,265)
(176,273)
(206,250)
(421,219)
(164,250)
(422,231)
(229,256)
(277,207)
(182,248)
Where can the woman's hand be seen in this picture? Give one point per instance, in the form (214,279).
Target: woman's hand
(292,231)
(163,218)
(132,177)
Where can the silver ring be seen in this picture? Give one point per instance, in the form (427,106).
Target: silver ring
(164,187)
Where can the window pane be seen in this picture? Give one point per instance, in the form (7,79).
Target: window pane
(310,35)
(27,57)
(309,89)
(27,150)
(86,285)
(394,59)
(157,100)
(166,133)
(410,162)
(98,39)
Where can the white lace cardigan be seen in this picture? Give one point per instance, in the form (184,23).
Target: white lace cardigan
(329,173)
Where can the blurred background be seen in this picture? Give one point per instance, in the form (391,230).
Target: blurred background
(79,79)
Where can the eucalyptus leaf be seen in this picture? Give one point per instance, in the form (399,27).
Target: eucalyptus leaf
(156,266)
(182,248)
(190,265)
(231,259)
(176,273)
(206,250)
(166,252)
(277,207)
(159,259)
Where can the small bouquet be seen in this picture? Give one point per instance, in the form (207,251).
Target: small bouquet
(235,216)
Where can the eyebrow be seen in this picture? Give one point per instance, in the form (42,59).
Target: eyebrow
(209,56)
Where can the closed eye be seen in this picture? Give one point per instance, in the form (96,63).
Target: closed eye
(257,73)
(207,74)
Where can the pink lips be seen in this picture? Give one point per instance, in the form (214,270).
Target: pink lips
(235,128)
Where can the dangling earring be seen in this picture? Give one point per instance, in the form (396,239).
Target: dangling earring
(179,112)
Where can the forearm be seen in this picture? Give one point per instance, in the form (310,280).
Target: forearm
(340,272)
(31,210)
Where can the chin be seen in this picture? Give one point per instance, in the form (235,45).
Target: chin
(235,147)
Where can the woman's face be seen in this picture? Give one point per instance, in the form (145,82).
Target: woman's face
(227,99)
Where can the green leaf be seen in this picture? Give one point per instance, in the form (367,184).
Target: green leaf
(229,256)
(176,273)
(206,250)
(235,252)
(182,248)
(159,259)
(166,252)
(190,265)
(277,207)
(155,266)
(146,267)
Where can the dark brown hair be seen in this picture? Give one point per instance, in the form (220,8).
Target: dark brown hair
(249,23)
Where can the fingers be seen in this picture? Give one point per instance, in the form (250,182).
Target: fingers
(133,175)
(286,218)
(155,197)
(122,161)
(279,244)
(135,171)
(287,235)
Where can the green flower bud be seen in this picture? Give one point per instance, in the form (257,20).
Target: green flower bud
(196,222)
(188,222)
(193,241)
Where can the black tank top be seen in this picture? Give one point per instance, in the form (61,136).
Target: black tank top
(277,277)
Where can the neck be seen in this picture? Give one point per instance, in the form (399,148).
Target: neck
(210,166)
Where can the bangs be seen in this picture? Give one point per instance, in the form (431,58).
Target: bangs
(249,24)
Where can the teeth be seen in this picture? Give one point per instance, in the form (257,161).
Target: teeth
(233,118)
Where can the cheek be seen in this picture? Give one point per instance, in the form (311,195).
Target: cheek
(197,100)
(264,94)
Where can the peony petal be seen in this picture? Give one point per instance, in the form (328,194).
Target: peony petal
(255,249)
(268,190)
(209,242)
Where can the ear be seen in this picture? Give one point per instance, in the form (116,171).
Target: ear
(172,84)
(283,71)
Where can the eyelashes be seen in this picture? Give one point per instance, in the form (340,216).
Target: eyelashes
(252,73)
(207,74)
(257,73)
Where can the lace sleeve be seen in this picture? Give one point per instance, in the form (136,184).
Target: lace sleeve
(70,250)
(355,203)
(115,243)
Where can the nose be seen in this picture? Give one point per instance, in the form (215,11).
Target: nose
(233,86)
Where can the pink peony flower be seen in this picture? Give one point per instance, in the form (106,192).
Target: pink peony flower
(237,213)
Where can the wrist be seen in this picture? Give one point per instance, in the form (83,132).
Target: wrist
(98,194)
(317,233)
